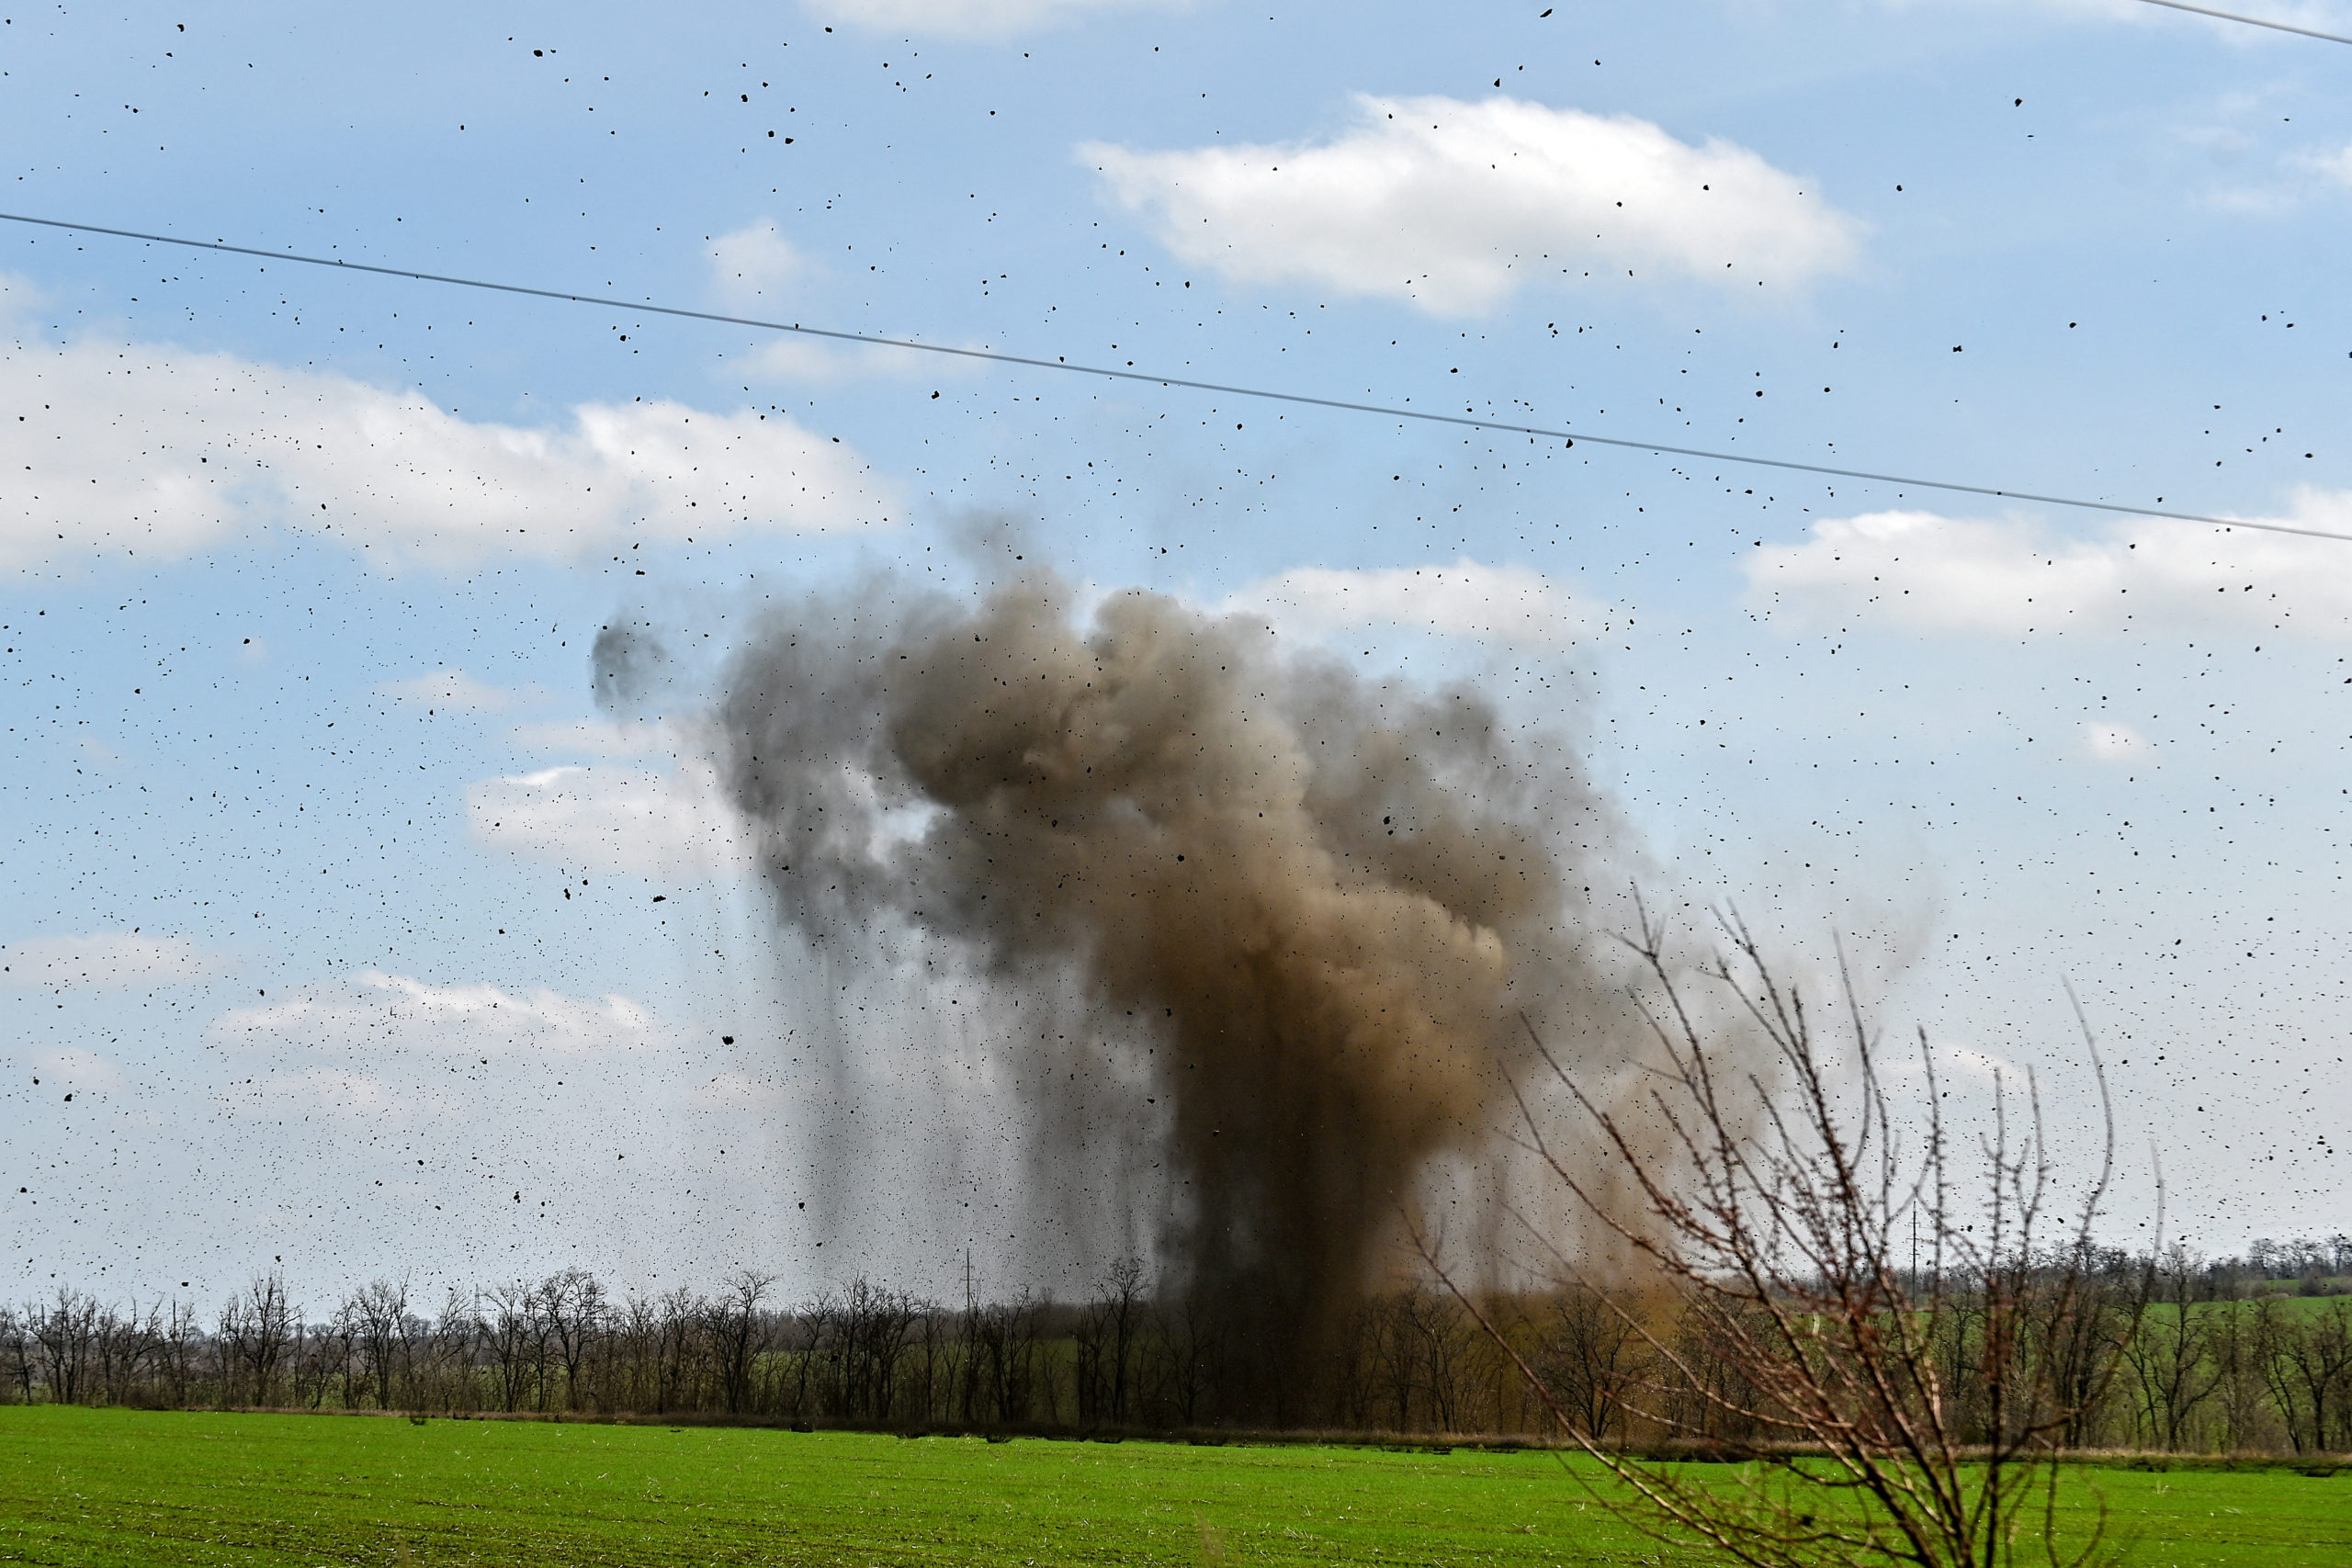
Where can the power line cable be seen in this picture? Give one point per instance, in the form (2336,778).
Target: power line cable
(2249,21)
(1302,398)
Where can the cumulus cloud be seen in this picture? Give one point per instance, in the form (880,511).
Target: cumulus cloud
(452,689)
(385,1051)
(1507,604)
(155,451)
(1924,571)
(2114,743)
(2327,16)
(1985,1067)
(755,262)
(1958,1064)
(1455,206)
(756,265)
(635,821)
(74,1071)
(378,1014)
(972,19)
(2322,16)
(106,960)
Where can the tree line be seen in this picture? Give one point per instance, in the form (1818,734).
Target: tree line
(2188,1356)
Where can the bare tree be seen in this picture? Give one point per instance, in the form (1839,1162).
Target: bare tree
(1589,1356)
(810,1336)
(737,1328)
(65,1335)
(869,1328)
(635,1351)
(934,1373)
(322,1362)
(440,1356)
(510,1332)
(1437,1339)
(2308,1361)
(1123,1310)
(1780,1222)
(125,1351)
(2174,1369)
(256,1331)
(1193,1353)
(1005,1345)
(678,1350)
(380,1315)
(17,1353)
(180,1345)
(576,1310)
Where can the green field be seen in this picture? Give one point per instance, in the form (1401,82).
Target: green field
(108,1487)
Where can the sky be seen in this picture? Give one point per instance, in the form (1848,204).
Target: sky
(334,944)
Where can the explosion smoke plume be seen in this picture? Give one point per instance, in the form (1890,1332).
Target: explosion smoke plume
(1330,899)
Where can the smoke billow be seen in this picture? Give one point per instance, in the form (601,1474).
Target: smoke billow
(1326,900)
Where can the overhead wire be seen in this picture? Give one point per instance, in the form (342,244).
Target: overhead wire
(1466,420)
(2249,21)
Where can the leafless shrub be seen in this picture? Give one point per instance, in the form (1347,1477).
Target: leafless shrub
(1891,1414)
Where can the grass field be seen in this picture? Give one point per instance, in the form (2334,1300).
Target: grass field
(105,1486)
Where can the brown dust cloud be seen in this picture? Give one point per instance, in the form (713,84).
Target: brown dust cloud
(1318,903)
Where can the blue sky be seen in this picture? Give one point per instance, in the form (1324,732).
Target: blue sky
(334,888)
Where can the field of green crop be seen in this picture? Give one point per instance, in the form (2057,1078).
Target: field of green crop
(85,1487)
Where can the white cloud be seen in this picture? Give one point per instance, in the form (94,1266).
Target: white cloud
(1455,206)
(20,299)
(152,450)
(2230,160)
(392,1051)
(1958,1064)
(2327,16)
(1508,604)
(75,1071)
(106,960)
(452,689)
(755,262)
(971,18)
(1923,572)
(378,1015)
(2324,15)
(2336,167)
(2114,743)
(1985,1066)
(613,820)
